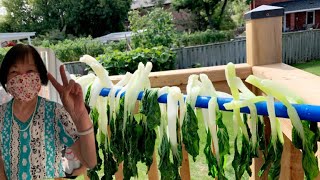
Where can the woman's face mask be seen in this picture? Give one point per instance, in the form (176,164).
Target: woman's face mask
(24,87)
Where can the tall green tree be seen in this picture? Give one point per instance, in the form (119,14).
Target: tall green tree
(155,28)
(209,13)
(77,17)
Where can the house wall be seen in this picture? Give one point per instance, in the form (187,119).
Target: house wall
(257,3)
(288,22)
(300,20)
(317,20)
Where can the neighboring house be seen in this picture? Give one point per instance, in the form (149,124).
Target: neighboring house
(299,14)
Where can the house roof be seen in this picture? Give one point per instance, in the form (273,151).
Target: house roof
(298,5)
(115,36)
(136,4)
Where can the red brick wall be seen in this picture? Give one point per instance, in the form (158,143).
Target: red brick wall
(317,20)
(257,3)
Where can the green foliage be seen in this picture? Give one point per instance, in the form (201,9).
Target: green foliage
(116,126)
(204,37)
(273,159)
(51,38)
(153,29)
(309,160)
(242,160)
(92,173)
(209,13)
(150,108)
(150,111)
(217,169)
(169,170)
(80,18)
(69,50)
(118,62)
(238,8)
(3,52)
(190,136)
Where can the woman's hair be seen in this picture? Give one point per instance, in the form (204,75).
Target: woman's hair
(20,52)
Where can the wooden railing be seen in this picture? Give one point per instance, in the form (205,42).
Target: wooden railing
(264,50)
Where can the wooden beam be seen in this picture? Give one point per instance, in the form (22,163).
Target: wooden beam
(180,77)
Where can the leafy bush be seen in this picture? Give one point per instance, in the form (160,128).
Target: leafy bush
(118,62)
(69,50)
(72,49)
(51,38)
(204,37)
(153,29)
(3,52)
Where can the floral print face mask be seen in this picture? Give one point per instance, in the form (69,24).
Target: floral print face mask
(24,87)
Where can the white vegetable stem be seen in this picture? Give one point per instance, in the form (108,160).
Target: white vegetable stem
(173,97)
(101,81)
(283,95)
(137,83)
(233,83)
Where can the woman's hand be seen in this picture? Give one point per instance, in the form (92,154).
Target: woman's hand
(71,97)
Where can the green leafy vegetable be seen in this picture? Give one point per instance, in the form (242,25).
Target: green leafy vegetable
(92,172)
(151,116)
(169,170)
(116,140)
(109,164)
(242,160)
(190,136)
(150,108)
(216,169)
(273,158)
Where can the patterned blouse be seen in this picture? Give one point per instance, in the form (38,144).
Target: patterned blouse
(34,152)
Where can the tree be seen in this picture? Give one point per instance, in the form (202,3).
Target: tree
(77,17)
(238,8)
(209,13)
(153,29)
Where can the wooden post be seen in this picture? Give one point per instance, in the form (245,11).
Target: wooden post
(264,47)
(264,35)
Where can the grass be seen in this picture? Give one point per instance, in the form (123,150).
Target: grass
(311,67)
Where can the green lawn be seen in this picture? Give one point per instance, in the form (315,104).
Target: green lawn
(312,66)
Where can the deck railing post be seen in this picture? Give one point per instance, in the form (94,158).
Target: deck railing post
(264,47)
(264,35)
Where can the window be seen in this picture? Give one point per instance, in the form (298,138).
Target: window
(310,17)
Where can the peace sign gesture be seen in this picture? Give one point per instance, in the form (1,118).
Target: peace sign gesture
(71,95)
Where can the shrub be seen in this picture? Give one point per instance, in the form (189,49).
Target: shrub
(153,29)
(3,52)
(204,37)
(72,50)
(118,62)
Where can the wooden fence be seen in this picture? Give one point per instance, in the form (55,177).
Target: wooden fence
(297,47)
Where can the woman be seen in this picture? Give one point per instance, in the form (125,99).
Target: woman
(33,130)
